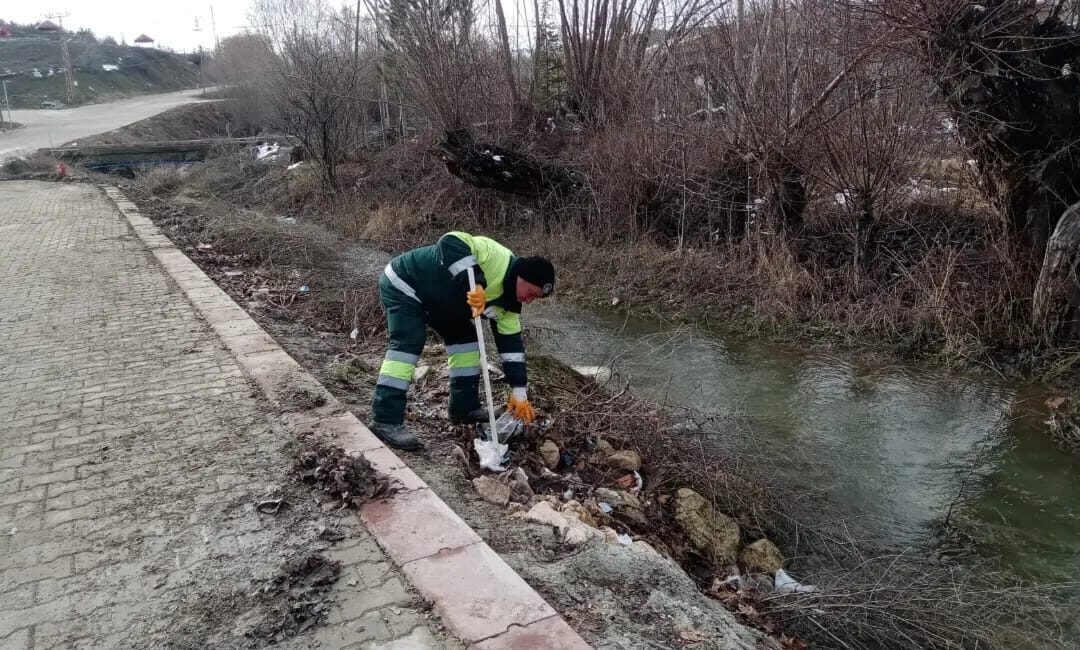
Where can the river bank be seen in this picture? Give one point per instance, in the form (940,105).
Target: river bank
(315,326)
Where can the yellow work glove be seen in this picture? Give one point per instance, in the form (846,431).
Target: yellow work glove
(477,301)
(519,405)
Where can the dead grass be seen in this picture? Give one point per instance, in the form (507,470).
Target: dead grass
(908,601)
(275,241)
(275,255)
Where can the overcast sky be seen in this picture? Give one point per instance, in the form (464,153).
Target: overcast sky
(170,23)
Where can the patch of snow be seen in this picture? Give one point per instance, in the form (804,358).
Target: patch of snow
(294,165)
(109,67)
(497,158)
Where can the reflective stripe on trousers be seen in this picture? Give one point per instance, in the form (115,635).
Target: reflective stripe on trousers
(397,369)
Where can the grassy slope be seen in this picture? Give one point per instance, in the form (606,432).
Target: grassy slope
(142,71)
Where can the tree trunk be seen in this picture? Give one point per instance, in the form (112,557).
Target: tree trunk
(1057,295)
(490,166)
(1009,74)
(508,62)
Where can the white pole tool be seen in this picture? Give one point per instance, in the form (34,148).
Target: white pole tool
(484,366)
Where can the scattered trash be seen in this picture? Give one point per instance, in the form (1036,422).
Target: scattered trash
(568,494)
(631,481)
(267,152)
(785,584)
(570,528)
(294,165)
(305,289)
(270,506)
(204,247)
(605,507)
(508,427)
(355,333)
(233,274)
(625,539)
(492,455)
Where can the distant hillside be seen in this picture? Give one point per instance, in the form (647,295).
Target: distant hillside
(33,68)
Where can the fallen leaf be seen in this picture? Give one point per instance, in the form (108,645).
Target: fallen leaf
(1055,402)
(691,635)
(794,643)
(747,610)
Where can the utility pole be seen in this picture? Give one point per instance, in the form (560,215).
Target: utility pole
(69,71)
(213,28)
(198,83)
(356,37)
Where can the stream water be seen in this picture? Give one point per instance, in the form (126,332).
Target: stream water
(894,446)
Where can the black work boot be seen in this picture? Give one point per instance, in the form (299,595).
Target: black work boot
(474,416)
(398,436)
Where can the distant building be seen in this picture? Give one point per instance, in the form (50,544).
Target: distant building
(144,40)
(48,27)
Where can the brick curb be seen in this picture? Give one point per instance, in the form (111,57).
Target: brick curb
(478,596)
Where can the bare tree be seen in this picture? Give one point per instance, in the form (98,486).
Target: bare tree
(244,63)
(615,49)
(434,47)
(317,90)
(1008,71)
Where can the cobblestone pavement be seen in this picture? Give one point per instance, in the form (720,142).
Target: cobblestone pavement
(132,454)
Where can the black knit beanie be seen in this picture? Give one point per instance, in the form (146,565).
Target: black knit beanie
(538,271)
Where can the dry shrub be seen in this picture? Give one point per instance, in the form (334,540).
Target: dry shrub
(276,242)
(393,227)
(160,180)
(1065,429)
(674,183)
(911,601)
(34,164)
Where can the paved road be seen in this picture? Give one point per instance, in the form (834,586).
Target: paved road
(133,451)
(51,128)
